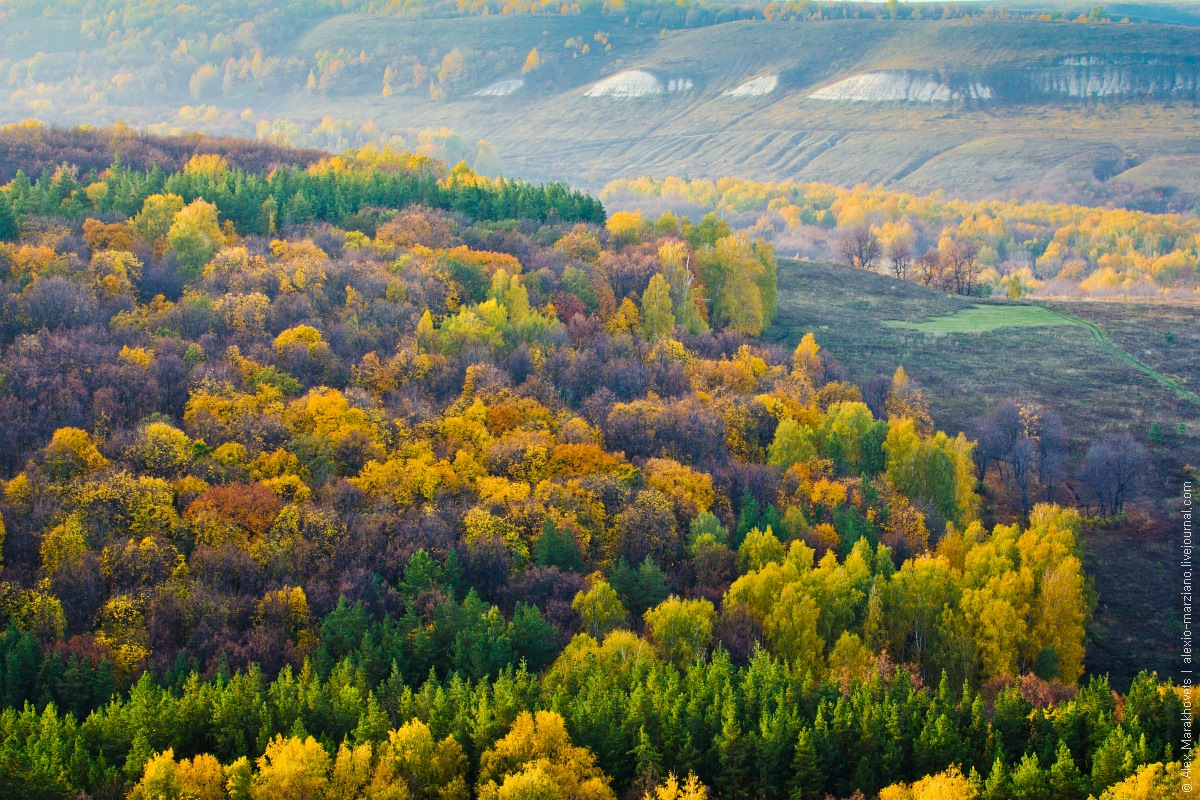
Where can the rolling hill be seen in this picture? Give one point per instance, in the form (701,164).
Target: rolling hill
(1054,93)
(977,107)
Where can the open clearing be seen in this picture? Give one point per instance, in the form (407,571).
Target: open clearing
(1103,366)
(979,319)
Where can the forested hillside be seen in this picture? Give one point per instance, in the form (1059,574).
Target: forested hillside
(365,478)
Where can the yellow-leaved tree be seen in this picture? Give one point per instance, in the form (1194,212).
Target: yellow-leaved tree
(537,760)
(155,219)
(672,789)
(740,278)
(687,299)
(532,62)
(683,629)
(164,778)
(600,608)
(195,235)
(948,785)
(658,320)
(291,769)
(71,454)
(1150,782)
(428,769)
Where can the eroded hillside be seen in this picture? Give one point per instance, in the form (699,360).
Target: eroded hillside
(976,107)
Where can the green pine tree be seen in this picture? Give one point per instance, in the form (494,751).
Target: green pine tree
(1029,780)
(1066,781)
(733,755)
(557,548)
(8,220)
(999,785)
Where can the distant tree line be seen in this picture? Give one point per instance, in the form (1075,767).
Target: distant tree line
(34,148)
(964,246)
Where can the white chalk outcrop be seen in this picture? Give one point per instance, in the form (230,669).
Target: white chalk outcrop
(1117,75)
(757,87)
(1086,77)
(882,87)
(976,91)
(631,83)
(501,88)
(1102,82)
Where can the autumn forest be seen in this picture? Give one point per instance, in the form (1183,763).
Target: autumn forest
(360,477)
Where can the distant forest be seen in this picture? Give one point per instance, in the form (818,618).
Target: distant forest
(34,148)
(141,17)
(72,59)
(1006,247)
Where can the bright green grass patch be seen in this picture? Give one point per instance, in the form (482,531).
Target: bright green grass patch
(980,319)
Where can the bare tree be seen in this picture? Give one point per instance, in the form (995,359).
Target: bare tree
(858,247)
(929,268)
(962,257)
(1113,471)
(875,392)
(1028,444)
(997,434)
(900,258)
(1052,452)
(1023,459)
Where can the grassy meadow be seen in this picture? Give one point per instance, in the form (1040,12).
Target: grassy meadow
(983,319)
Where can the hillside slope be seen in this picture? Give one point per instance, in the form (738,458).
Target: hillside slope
(978,107)
(1047,98)
(1063,367)
(872,324)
